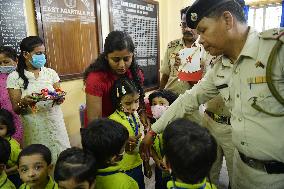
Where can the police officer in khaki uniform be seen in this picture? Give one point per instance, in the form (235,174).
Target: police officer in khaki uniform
(216,119)
(171,62)
(249,76)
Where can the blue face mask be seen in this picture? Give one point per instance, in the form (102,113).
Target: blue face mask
(7,69)
(38,61)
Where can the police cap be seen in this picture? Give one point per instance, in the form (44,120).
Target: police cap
(202,8)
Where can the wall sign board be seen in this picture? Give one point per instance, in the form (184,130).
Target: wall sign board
(70,32)
(12,23)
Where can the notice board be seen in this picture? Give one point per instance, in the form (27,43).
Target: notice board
(140,20)
(70,29)
(12,23)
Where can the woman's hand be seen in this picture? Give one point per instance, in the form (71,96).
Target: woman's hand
(59,101)
(28,101)
(145,146)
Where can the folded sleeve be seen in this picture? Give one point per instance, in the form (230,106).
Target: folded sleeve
(94,85)
(14,81)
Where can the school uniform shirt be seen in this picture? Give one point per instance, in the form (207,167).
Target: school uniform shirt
(112,177)
(181,185)
(50,185)
(5,183)
(15,150)
(133,160)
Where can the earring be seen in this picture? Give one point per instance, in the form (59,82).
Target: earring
(117,93)
(123,90)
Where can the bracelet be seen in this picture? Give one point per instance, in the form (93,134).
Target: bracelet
(21,105)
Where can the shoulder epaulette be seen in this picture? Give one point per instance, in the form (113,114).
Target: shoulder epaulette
(174,43)
(276,33)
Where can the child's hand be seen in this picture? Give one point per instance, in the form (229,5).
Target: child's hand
(12,170)
(161,164)
(132,143)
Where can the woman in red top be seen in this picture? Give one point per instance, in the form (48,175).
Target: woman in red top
(116,61)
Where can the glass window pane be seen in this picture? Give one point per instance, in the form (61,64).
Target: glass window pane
(272,17)
(259,19)
(251,17)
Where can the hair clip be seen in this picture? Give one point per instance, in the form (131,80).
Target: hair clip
(117,93)
(123,90)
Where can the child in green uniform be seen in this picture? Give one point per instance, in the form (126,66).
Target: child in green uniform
(106,140)
(34,167)
(190,151)
(5,151)
(159,101)
(7,129)
(75,169)
(125,99)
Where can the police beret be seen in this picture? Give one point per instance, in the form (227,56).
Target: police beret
(202,8)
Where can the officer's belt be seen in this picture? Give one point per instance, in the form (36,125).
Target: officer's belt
(271,167)
(218,118)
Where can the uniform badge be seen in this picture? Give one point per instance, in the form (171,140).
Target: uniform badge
(193,17)
(259,64)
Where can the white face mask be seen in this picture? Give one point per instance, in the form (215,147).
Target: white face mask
(158,110)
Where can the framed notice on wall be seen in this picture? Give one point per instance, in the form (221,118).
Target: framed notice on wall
(140,19)
(71,33)
(12,23)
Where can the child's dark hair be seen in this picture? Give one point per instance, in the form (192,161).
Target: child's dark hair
(28,44)
(6,118)
(170,96)
(5,151)
(104,138)
(121,87)
(9,52)
(36,149)
(116,41)
(190,150)
(77,164)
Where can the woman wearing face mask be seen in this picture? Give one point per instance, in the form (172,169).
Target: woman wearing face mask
(45,125)
(8,61)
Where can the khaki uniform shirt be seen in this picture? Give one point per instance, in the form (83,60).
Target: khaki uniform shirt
(216,104)
(254,133)
(168,68)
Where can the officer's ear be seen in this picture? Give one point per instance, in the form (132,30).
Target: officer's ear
(228,20)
